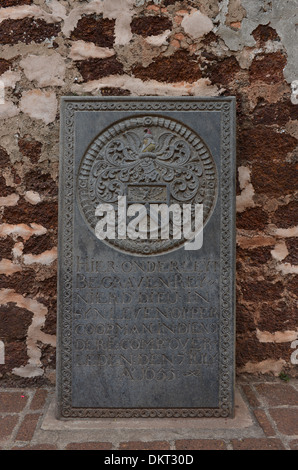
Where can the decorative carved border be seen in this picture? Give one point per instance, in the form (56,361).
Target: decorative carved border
(70,105)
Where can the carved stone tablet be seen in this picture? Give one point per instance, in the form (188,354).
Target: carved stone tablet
(146,323)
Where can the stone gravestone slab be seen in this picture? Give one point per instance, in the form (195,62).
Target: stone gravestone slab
(146,323)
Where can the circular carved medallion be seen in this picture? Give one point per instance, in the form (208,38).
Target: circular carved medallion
(149,160)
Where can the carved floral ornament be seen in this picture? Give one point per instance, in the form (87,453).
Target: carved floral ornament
(148,159)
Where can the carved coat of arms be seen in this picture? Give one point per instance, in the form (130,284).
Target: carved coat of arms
(148,159)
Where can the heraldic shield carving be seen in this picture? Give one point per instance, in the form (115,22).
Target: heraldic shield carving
(150,160)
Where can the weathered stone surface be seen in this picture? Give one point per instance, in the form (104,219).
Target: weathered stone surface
(11,3)
(197,24)
(268,68)
(100,31)
(164,329)
(93,69)
(45,70)
(31,149)
(176,68)
(27,30)
(150,25)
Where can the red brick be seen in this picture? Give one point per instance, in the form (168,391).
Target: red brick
(14,322)
(36,447)
(39,399)
(38,244)
(179,67)
(277,178)
(45,213)
(250,395)
(264,423)
(262,144)
(249,349)
(12,3)
(27,30)
(286,420)
(200,444)
(274,317)
(268,67)
(252,219)
(96,29)
(12,402)
(264,33)
(6,246)
(30,148)
(257,444)
(294,444)
(89,446)
(7,425)
(277,395)
(94,69)
(286,216)
(4,66)
(138,445)
(222,71)
(262,291)
(114,91)
(27,428)
(292,246)
(150,25)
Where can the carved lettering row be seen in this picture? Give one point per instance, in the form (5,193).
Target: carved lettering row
(92,265)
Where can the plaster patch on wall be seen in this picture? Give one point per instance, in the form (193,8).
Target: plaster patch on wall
(46,70)
(39,104)
(287,268)
(277,337)
(159,40)
(81,50)
(294,88)
(138,87)
(23,11)
(121,10)
(21,230)
(9,201)
(46,258)
(196,24)
(32,197)
(281,17)
(8,268)
(34,366)
(245,199)
(286,232)
(264,367)
(10,78)
(280,251)
(8,110)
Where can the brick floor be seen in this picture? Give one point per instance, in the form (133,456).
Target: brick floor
(272,405)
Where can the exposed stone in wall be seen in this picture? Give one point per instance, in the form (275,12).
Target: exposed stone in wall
(99,30)
(179,67)
(244,48)
(27,30)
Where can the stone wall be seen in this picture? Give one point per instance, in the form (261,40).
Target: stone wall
(244,48)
